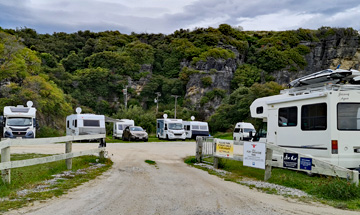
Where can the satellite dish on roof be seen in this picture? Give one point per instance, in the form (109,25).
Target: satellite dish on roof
(29,104)
(165,116)
(78,110)
(192,118)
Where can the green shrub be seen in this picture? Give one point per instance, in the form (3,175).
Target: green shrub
(206,81)
(217,53)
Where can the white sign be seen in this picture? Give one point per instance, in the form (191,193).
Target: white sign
(254,154)
(224,148)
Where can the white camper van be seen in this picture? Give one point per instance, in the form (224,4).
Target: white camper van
(320,119)
(19,121)
(195,128)
(119,127)
(170,129)
(243,131)
(83,124)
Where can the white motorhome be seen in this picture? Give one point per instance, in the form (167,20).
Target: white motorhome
(243,131)
(195,128)
(119,127)
(170,129)
(322,120)
(83,124)
(19,121)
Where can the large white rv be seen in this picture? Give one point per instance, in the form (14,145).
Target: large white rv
(170,129)
(19,121)
(195,128)
(84,124)
(322,120)
(119,127)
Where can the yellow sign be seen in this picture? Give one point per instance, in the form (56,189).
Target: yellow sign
(224,148)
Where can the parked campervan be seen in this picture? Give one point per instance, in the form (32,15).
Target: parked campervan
(320,119)
(195,128)
(170,129)
(119,127)
(243,131)
(19,121)
(83,124)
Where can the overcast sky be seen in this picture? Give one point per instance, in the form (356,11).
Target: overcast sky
(166,16)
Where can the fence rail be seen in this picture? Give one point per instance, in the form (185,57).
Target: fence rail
(318,166)
(6,165)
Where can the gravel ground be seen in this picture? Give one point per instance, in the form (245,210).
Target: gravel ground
(132,186)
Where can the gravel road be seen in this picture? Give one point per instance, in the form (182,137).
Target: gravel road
(132,186)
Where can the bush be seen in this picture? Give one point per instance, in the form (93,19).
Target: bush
(206,81)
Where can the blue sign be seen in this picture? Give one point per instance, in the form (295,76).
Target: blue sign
(305,163)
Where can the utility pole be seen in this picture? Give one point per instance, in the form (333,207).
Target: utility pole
(176,96)
(125,94)
(157,101)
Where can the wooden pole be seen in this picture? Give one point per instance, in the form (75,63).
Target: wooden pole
(102,154)
(268,159)
(5,157)
(199,145)
(68,149)
(355,178)
(216,162)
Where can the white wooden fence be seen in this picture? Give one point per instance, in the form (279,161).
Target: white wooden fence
(318,166)
(6,165)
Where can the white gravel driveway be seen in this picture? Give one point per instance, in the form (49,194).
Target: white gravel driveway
(132,186)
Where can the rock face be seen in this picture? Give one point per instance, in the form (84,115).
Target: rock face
(329,52)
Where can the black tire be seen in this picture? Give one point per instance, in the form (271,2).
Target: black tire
(146,140)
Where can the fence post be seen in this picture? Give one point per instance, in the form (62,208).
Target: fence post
(5,157)
(199,145)
(216,162)
(102,154)
(355,177)
(68,149)
(268,159)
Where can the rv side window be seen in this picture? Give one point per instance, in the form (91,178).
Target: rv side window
(348,116)
(314,117)
(75,125)
(91,123)
(120,127)
(236,130)
(259,110)
(287,117)
(195,127)
(187,127)
(67,124)
(203,127)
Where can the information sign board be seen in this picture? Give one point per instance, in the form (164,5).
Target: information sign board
(254,154)
(224,148)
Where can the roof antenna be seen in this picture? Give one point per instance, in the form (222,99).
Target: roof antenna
(338,66)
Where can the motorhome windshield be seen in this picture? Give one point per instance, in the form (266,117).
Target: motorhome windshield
(175,126)
(19,121)
(348,115)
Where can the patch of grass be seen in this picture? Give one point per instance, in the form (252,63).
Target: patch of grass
(150,162)
(333,191)
(225,136)
(32,176)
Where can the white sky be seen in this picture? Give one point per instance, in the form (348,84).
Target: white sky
(166,16)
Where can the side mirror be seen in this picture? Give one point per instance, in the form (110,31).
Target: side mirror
(2,120)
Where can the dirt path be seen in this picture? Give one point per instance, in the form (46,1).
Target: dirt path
(135,187)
